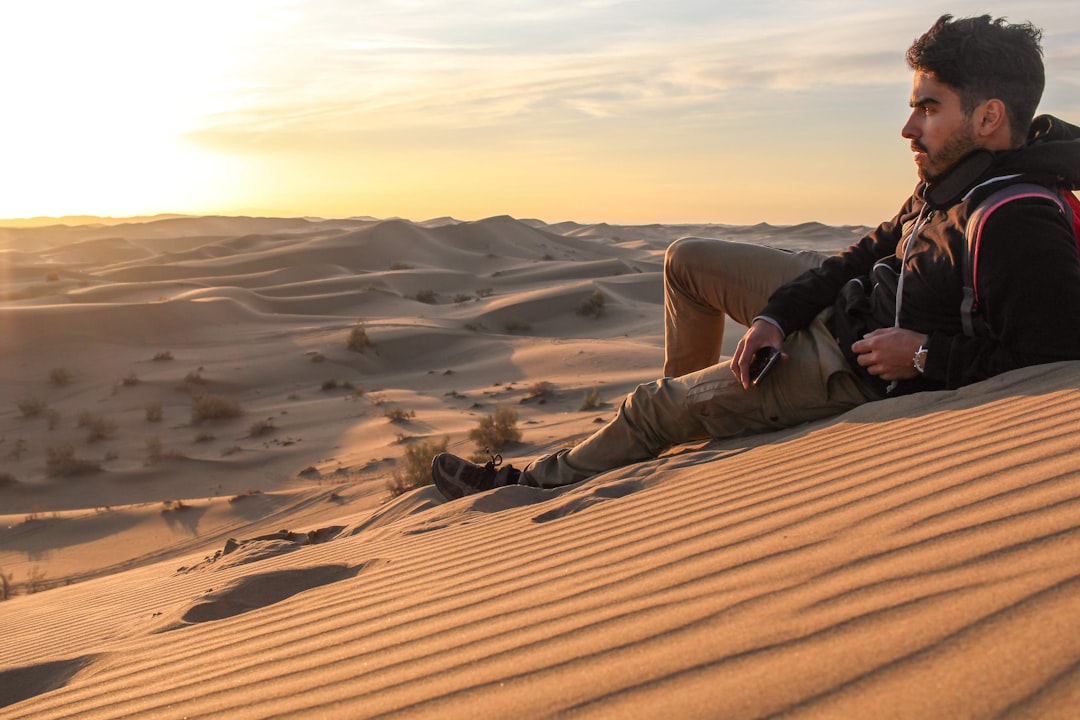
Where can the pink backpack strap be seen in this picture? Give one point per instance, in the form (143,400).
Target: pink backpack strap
(973,233)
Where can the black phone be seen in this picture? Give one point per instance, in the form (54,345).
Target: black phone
(762,363)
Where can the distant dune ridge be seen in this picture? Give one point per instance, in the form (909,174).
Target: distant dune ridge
(196,517)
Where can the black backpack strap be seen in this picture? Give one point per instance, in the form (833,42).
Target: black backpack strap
(973,236)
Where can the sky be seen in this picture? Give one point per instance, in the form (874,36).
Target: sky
(621,111)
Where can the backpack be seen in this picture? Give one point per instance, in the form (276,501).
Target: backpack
(1066,202)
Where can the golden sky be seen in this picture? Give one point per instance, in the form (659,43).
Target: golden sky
(587,110)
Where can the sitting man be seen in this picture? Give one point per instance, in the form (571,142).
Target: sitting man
(883,317)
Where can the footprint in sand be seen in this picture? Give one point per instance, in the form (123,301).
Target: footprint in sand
(23,683)
(596,495)
(258,591)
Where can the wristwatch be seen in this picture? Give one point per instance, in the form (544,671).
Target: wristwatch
(919,361)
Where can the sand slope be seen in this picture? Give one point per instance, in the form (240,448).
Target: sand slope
(916,557)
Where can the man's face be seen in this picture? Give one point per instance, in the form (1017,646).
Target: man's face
(939,130)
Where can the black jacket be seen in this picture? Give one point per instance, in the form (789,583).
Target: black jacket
(1028,280)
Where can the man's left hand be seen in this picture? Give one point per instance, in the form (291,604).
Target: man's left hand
(889,352)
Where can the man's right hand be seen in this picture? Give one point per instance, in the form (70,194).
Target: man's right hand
(761,334)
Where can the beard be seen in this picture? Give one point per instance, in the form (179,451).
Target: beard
(956,146)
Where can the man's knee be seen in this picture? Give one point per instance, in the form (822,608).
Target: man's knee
(686,251)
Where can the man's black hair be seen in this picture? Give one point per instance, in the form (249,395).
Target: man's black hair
(983,58)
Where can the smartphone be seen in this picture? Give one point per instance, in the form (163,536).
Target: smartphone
(762,363)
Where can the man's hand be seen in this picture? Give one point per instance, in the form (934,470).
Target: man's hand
(761,334)
(888,352)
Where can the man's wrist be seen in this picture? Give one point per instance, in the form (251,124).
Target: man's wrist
(775,323)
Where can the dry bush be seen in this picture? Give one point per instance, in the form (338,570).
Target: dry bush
(591,401)
(214,407)
(397,415)
(130,380)
(414,470)
(156,452)
(163,356)
(6,587)
(35,579)
(97,427)
(358,340)
(17,450)
(541,392)
(496,431)
(7,480)
(262,427)
(31,406)
(155,412)
(429,297)
(59,377)
(60,461)
(592,306)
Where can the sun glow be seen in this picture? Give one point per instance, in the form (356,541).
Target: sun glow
(97,98)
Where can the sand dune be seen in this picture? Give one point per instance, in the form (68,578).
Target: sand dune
(915,557)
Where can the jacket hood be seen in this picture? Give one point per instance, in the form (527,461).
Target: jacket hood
(1051,155)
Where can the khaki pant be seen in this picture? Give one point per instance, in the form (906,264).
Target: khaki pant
(704,280)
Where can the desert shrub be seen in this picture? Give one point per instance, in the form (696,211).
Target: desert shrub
(496,431)
(163,356)
(156,453)
(6,587)
(397,415)
(17,450)
(7,479)
(484,292)
(59,377)
(155,412)
(53,418)
(358,340)
(592,306)
(591,401)
(130,380)
(60,461)
(462,297)
(35,579)
(205,436)
(517,326)
(96,426)
(317,357)
(214,407)
(329,385)
(429,297)
(261,427)
(541,392)
(414,470)
(52,276)
(194,378)
(31,406)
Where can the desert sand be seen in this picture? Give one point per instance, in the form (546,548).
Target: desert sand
(196,516)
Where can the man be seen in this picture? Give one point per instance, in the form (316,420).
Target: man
(883,317)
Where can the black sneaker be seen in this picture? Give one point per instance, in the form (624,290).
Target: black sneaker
(456,477)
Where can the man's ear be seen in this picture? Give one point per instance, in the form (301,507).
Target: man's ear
(992,122)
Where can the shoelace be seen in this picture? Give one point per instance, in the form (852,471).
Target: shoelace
(494,462)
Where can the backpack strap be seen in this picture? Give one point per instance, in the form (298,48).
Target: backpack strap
(973,235)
